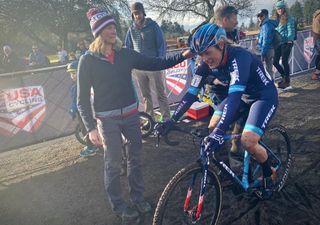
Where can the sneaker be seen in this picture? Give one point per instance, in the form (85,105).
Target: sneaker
(129,216)
(88,151)
(280,82)
(268,186)
(143,207)
(284,85)
(315,76)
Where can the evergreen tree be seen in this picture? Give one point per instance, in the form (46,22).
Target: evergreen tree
(310,6)
(296,11)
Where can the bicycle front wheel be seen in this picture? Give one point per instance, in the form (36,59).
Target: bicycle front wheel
(171,205)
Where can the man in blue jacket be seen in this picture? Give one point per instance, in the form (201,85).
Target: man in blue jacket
(266,38)
(145,36)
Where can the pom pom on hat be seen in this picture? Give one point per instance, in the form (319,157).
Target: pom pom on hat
(92,12)
(99,20)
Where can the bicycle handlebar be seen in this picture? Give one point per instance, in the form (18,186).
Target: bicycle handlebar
(196,133)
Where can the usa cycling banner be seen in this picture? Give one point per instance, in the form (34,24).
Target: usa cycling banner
(21,109)
(308,49)
(34,107)
(176,77)
(177,80)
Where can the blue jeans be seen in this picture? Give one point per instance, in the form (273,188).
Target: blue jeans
(111,129)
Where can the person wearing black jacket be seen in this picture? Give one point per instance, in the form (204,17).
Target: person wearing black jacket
(11,61)
(106,67)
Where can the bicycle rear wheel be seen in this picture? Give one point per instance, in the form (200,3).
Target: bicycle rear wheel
(80,134)
(146,124)
(278,141)
(170,207)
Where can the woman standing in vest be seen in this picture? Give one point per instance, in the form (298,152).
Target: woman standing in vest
(286,28)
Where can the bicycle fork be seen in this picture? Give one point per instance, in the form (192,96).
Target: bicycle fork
(195,212)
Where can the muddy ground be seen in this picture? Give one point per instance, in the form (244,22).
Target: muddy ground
(49,184)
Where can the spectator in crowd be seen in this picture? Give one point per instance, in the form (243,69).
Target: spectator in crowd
(77,54)
(37,58)
(106,68)
(146,37)
(62,54)
(81,47)
(316,40)
(181,43)
(11,61)
(265,39)
(227,17)
(72,57)
(242,34)
(286,28)
(89,149)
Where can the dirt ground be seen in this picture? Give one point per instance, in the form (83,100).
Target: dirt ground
(49,184)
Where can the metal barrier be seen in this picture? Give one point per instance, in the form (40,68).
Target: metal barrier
(34,104)
(302,54)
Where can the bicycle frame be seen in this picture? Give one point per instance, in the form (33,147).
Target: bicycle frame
(205,155)
(244,181)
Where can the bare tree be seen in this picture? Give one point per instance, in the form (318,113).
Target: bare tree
(54,16)
(198,8)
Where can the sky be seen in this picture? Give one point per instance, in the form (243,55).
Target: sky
(193,22)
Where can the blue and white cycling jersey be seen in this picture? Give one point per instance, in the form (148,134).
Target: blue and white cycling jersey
(251,83)
(200,78)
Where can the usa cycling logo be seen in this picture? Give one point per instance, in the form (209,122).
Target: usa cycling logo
(308,49)
(21,109)
(176,77)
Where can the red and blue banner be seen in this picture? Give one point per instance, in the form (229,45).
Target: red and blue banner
(176,77)
(21,109)
(308,47)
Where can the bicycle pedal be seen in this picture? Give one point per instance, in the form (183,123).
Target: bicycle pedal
(264,194)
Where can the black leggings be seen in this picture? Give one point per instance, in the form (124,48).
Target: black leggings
(283,52)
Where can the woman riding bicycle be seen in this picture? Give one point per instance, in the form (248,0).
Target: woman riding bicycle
(249,83)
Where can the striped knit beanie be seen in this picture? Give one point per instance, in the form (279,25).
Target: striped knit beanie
(99,20)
